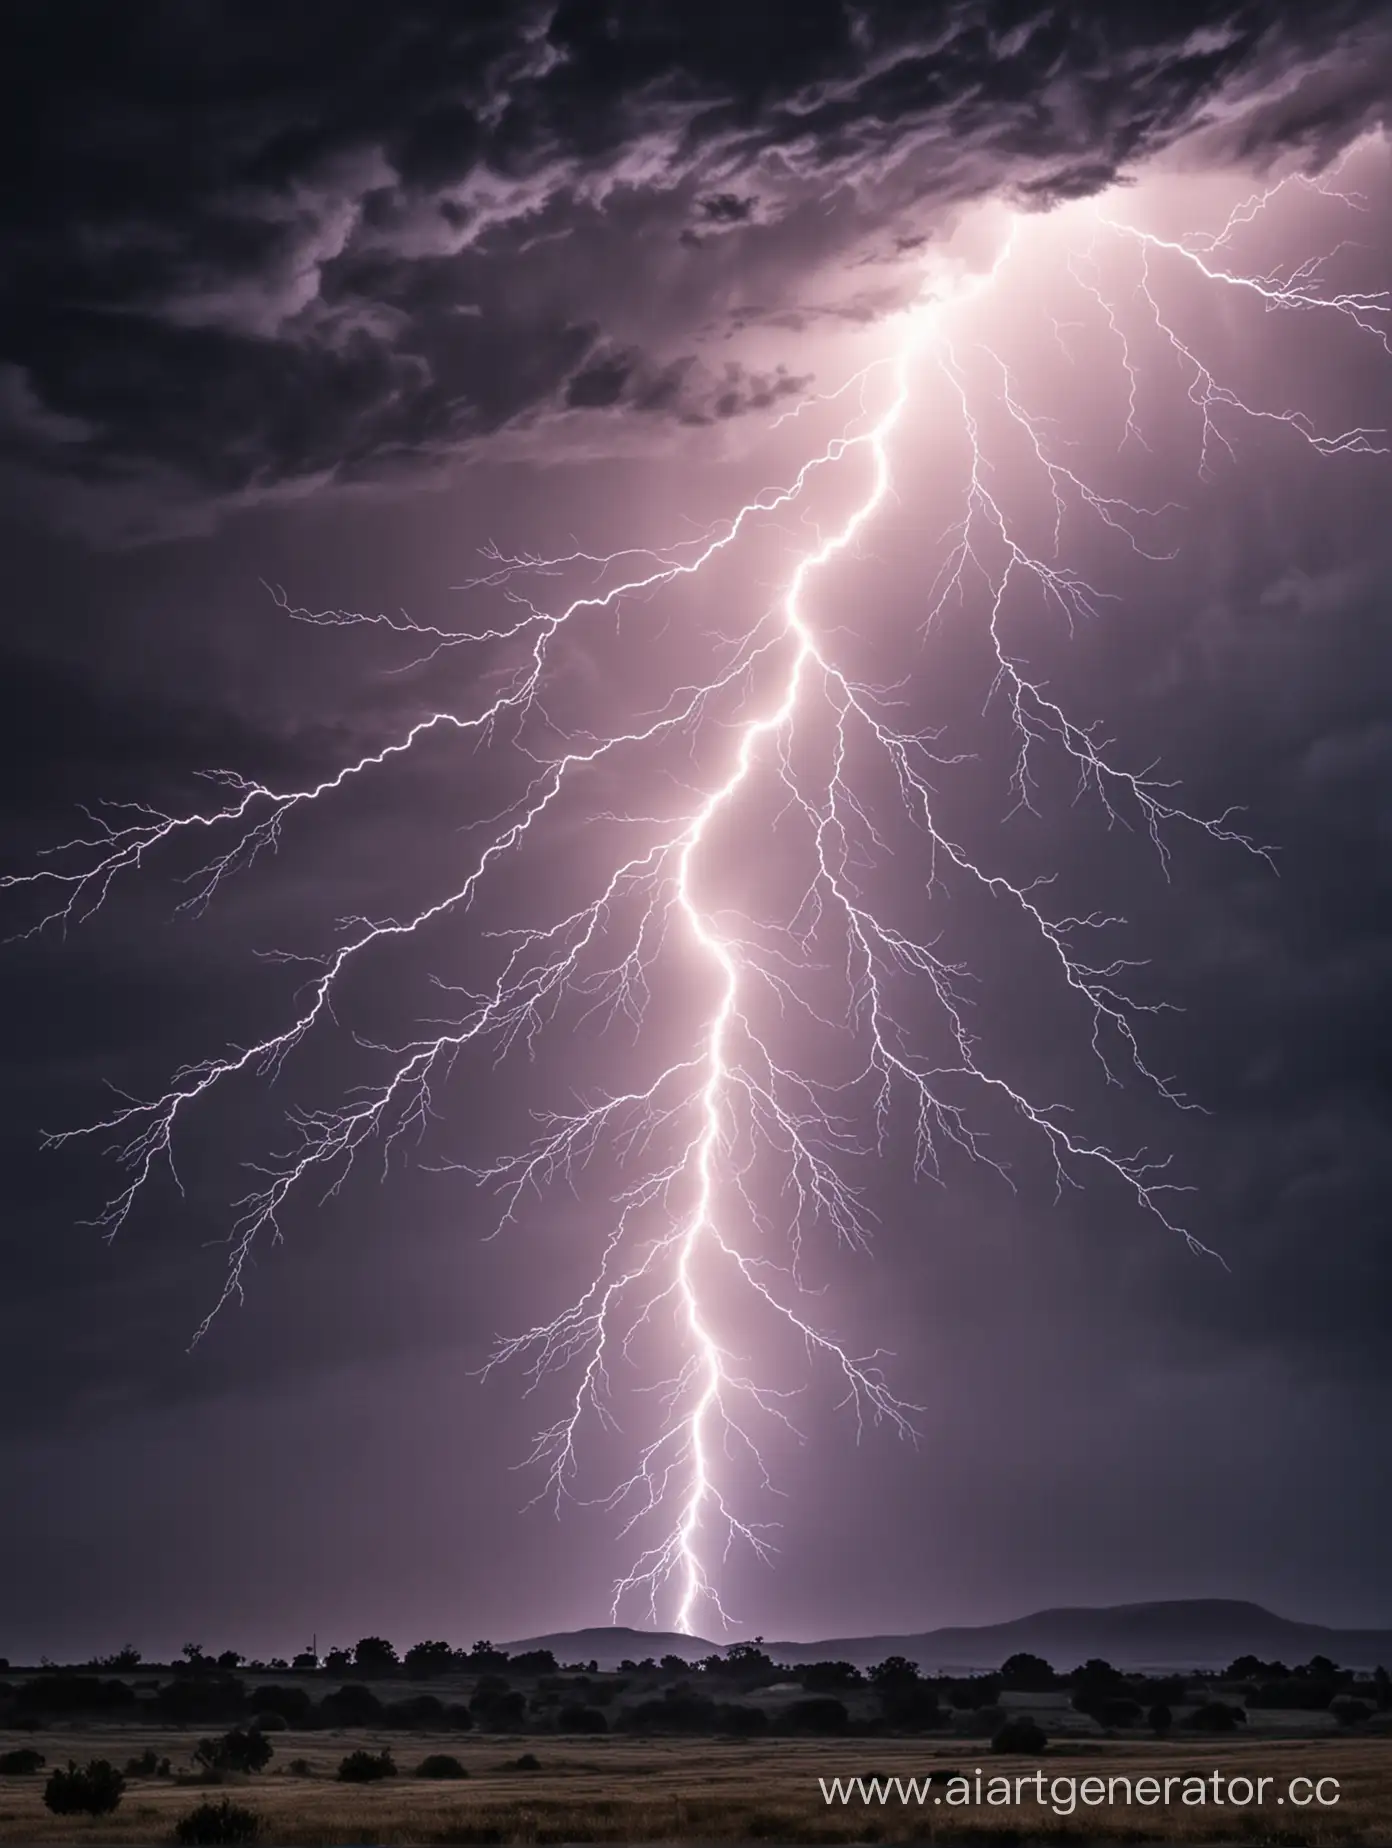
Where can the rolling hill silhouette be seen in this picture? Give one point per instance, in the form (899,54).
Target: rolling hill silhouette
(1179,1633)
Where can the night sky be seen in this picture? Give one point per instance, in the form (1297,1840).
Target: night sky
(335,306)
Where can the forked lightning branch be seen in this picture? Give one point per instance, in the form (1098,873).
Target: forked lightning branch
(734,1146)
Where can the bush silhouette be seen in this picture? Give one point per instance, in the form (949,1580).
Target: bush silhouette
(1160,1719)
(1020,1734)
(65,1694)
(1116,1710)
(527,1762)
(242,1749)
(415,1710)
(676,1712)
(499,1709)
(214,1823)
(581,1719)
(366,1767)
(354,1705)
(533,1662)
(294,1705)
(1299,1693)
(270,1722)
(829,1677)
(1216,1716)
(440,1764)
(147,1765)
(203,1698)
(93,1790)
(22,1763)
(1350,1712)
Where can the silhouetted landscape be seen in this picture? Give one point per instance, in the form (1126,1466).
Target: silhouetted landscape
(1177,1633)
(324,1745)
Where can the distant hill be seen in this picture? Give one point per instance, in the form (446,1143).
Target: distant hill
(611,1644)
(1182,1633)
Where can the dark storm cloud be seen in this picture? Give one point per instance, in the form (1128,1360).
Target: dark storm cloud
(684,389)
(248,257)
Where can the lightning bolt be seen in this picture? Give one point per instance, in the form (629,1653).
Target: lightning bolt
(705,1142)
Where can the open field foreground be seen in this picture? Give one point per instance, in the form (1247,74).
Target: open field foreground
(709,1790)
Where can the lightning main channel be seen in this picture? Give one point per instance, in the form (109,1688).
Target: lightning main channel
(732,1153)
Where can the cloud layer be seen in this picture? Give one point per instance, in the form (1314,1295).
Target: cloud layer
(252,257)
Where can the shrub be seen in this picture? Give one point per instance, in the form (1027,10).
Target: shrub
(147,1765)
(676,1712)
(827,1677)
(499,1709)
(300,1767)
(201,1699)
(578,1719)
(65,1694)
(22,1763)
(270,1722)
(1350,1712)
(527,1762)
(366,1767)
(1216,1716)
(1160,1719)
(440,1764)
(1300,1693)
(242,1749)
(93,1790)
(215,1823)
(536,1662)
(417,1710)
(354,1705)
(292,1704)
(1116,1710)
(1020,1734)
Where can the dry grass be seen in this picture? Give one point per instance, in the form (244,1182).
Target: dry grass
(624,1790)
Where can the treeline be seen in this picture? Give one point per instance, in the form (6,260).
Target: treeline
(531,1692)
(372,1656)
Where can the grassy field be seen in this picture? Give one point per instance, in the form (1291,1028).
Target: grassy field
(628,1790)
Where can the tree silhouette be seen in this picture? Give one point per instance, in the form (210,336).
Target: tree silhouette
(1028,1674)
(374,1655)
(242,1749)
(895,1673)
(422,1661)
